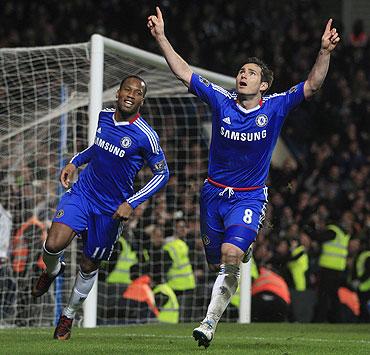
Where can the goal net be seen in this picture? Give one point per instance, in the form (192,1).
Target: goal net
(47,114)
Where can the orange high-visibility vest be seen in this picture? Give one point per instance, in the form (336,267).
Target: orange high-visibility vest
(269,281)
(20,248)
(140,291)
(350,299)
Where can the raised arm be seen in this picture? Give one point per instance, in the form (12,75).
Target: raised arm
(178,65)
(329,41)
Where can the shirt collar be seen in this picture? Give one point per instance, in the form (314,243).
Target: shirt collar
(244,110)
(125,123)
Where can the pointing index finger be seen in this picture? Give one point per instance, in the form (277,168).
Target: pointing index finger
(159,13)
(328,25)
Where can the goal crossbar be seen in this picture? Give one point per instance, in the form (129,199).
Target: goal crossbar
(159,62)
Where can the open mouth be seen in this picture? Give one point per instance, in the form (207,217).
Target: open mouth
(242,83)
(128,103)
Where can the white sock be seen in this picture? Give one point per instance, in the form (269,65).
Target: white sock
(51,260)
(83,285)
(223,289)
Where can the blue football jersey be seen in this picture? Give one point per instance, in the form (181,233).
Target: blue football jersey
(119,151)
(243,140)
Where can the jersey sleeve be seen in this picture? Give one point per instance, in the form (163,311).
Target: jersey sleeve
(86,155)
(83,157)
(208,92)
(292,98)
(154,156)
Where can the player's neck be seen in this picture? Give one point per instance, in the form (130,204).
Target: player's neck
(120,116)
(248,101)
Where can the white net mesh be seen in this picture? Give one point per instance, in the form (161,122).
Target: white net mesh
(43,122)
(41,119)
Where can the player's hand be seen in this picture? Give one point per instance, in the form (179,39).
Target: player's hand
(156,24)
(123,212)
(66,176)
(330,38)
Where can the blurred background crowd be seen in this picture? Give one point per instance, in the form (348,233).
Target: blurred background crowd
(324,181)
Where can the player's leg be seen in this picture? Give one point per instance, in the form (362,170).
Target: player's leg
(68,218)
(262,212)
(241,219)
(212,237)
(211,226)
(83,284)
(59,237)
(102,234)
(225,285)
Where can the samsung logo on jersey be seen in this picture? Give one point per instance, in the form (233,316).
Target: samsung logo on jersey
(109,147)
(244,136)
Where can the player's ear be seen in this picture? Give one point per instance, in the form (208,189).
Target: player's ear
(117,93)
(142,101)
(264,86)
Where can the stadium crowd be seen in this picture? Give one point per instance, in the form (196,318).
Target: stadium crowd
(323,182)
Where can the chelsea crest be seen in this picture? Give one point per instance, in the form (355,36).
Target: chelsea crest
(126,142)
(261,120)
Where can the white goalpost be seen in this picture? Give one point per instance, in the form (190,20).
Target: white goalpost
(50,98)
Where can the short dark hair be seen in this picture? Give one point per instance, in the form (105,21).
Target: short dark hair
(267,75)
(135,77)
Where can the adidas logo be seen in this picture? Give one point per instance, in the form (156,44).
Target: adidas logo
(99,130)
(227,120)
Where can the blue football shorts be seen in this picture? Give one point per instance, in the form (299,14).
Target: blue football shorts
(82,216)
(230,217)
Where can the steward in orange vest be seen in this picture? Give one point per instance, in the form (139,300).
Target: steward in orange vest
(350,305)
(270,297)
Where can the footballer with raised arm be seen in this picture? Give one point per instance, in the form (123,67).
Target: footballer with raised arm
(245,128)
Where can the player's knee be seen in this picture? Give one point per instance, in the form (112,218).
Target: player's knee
(59,237)
(237,241)
(231,255)
(88,266)
(52,246)
(231,259)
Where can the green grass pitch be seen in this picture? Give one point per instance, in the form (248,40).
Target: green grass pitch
(281,338)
